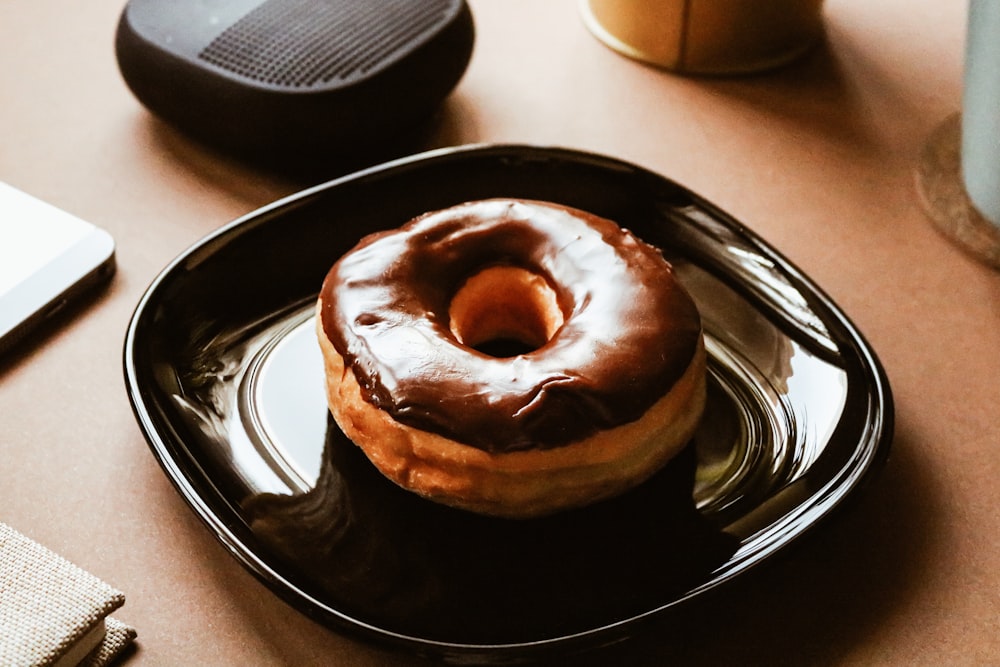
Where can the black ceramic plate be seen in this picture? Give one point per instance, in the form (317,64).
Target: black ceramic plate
(226,382)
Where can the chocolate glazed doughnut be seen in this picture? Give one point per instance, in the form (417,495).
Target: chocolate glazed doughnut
(511,357)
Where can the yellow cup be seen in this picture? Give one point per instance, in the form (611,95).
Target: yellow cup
(707,36)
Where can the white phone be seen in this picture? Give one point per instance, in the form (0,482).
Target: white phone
(48,259)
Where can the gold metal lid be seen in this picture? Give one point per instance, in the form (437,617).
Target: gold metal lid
(707,36)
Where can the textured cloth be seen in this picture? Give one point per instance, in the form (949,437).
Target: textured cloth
(47,605)
(119,636)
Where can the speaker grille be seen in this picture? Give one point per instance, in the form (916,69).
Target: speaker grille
(309,43)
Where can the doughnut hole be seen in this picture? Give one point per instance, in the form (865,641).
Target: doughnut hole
(504,311)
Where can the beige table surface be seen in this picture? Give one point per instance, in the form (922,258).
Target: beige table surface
(818,158)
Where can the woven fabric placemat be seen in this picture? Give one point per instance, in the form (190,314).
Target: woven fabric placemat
(118,638)
(48,604)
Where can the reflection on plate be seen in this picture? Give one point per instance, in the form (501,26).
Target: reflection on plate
(226,381)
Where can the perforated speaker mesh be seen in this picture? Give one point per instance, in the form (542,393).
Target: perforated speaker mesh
(308,43)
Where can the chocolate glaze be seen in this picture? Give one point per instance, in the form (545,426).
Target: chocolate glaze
(630,328)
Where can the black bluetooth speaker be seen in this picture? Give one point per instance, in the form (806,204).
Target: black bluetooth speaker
(287,78)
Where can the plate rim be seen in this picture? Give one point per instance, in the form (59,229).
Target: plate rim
(850,480)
